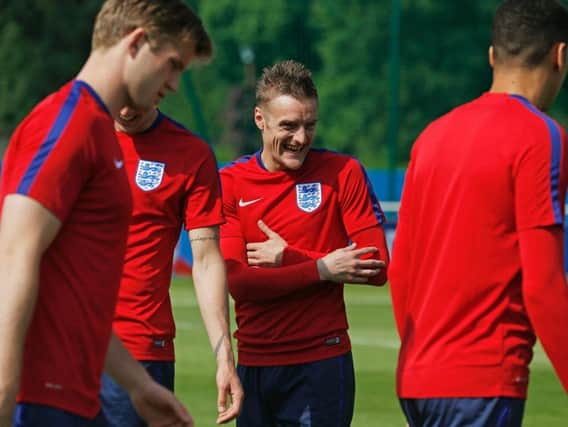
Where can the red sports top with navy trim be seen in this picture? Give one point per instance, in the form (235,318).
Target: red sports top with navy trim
(174,180)
(65,156)
(479,177)
(285,315)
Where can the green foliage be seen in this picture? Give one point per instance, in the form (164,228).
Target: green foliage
(42,45)
(443,63)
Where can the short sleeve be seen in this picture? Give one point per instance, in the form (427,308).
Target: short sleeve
(203,203)
(50,162)
(232,226)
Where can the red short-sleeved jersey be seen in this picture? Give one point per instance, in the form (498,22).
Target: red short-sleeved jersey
(316,208)
(65,156)
(477,176)
(174,180)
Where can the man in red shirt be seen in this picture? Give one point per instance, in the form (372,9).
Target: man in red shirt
(477,264)
(173,181)
(65,213)
(294,351)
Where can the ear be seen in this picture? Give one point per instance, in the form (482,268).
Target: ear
(491,54)
(259,118)
(560,51)
(136,39)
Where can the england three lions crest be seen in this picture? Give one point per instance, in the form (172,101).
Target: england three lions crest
(149,174)
(308,196)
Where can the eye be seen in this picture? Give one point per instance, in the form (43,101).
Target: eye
(176,65)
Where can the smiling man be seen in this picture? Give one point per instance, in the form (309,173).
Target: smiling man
(291,211)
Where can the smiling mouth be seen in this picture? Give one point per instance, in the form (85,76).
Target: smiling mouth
(293,149)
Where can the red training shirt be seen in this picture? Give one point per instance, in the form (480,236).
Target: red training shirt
(478,178)
(65,156)
(173,180)
(286,315)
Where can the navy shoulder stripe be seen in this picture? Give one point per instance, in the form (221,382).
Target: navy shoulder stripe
(52,138)
(556,142)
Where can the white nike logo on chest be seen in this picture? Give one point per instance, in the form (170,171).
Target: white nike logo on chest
(242,203)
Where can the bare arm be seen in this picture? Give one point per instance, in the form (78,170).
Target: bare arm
(154,403)
(26,230)
(210,281)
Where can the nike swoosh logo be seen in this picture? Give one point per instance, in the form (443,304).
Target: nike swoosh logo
(118,164)
(242,203)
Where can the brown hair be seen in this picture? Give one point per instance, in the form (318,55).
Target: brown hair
(285,78)
(163,20)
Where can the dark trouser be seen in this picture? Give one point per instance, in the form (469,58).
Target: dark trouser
(116,405)
(461,412)
(34,415)
(315,394)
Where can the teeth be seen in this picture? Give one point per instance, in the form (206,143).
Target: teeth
(295,149)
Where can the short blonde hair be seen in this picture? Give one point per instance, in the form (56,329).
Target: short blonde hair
(163,21)
(285,78)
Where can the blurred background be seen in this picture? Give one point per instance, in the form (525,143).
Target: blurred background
(384,68)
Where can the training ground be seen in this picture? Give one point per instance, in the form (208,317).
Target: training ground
(375,344)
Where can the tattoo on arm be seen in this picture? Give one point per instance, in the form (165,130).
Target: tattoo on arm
(218,345)
(199,236)
(199,239)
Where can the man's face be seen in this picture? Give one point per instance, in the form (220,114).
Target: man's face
(288,128)
(153,73)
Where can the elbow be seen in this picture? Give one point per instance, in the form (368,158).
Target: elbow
(235,282)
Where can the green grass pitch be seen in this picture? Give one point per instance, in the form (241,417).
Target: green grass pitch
(375,344)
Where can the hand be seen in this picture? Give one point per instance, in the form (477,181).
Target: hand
(268,253)
(228,384)
(344,265)
(159,407)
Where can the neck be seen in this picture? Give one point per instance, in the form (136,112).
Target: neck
(102,72)
(529,84)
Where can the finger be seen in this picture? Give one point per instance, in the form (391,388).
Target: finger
(356,279)
(365,250)
(265,229)
(370,263)
(230,413)
(349,247)
(366,273)
(254,262)
(253,246)
(253,255)
(221,400)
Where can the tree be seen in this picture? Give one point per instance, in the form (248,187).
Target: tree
(39,51)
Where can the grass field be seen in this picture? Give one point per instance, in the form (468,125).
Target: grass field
(375,344)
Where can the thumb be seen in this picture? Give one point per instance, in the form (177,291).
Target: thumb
(265,229)
(221,400)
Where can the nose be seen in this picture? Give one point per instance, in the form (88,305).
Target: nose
(172,84)
(300,135)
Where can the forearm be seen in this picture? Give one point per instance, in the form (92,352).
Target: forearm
(546,294)
(294,255)
(209,280)
(258,284)
(18,295)
(123,368)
